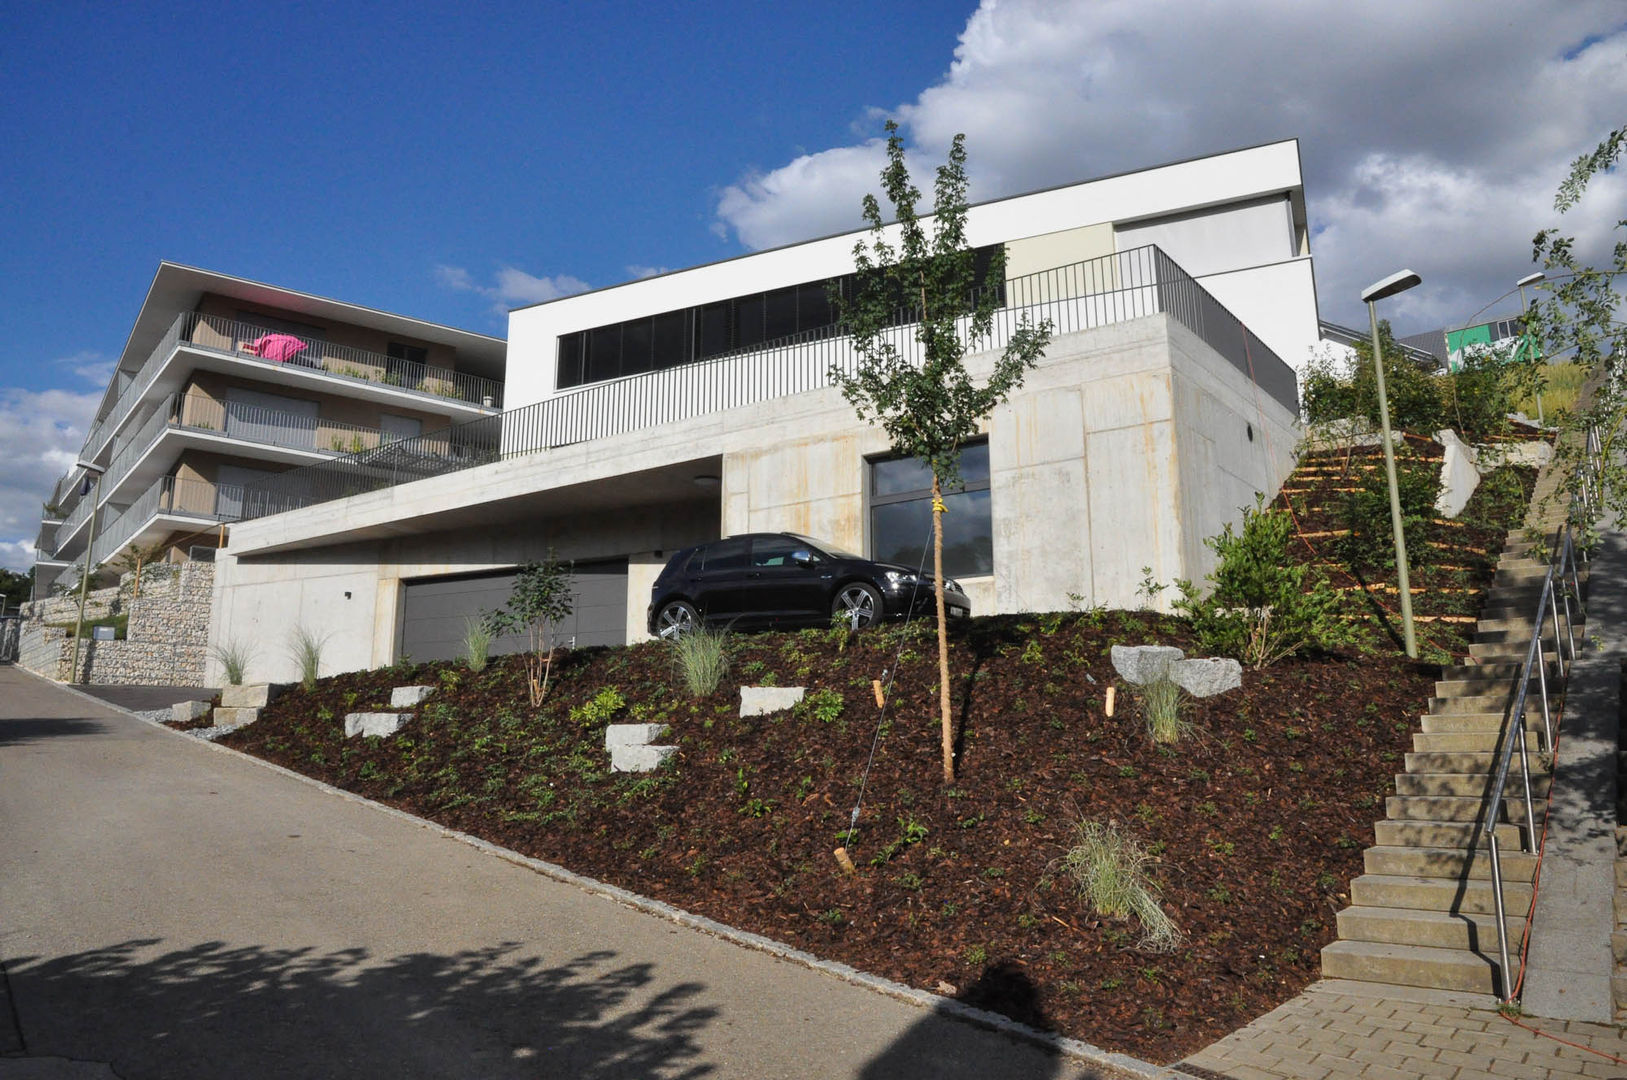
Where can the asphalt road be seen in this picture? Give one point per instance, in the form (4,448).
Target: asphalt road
(170,910)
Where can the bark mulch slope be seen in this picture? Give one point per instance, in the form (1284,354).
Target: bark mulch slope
(1257,820)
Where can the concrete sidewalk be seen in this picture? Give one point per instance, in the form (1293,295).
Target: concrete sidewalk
(173,910)
(1363,1031)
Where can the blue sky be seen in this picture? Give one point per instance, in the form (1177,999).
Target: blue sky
(450,161)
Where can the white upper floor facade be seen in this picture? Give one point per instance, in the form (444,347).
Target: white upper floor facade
(1235,222)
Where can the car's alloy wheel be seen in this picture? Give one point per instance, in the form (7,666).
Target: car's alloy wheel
(675,620)
(858,603)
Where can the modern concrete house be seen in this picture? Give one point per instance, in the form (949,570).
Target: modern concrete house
(664,412)
(225,382)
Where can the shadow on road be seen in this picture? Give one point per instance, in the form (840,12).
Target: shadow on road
(18,732)
(942,1047)
(215,1010)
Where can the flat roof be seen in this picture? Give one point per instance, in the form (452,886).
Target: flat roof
(177,288)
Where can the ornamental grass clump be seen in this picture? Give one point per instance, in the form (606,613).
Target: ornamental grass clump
(1109,867)
(306,647)
(1161,709)
(702,659)
(477,639)
(233,656)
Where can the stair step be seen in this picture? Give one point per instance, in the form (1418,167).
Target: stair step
(1472,721)
(1467,785)
(1522,636)
(1409,965)
(1506,650)
(1448,808)
(1469,703)
(1447,863)
(1458,834)
(1487,686)
(1461,761)
(1428,742)
(1429,929)
(1439,894)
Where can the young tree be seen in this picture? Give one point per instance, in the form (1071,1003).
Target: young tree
(542,596)
(1576,310)
(925,399)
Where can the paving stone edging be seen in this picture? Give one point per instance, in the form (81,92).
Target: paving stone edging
(1077,1049)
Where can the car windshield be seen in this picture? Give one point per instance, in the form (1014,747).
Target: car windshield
(820,545)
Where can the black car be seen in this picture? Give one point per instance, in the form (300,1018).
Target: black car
(782,579)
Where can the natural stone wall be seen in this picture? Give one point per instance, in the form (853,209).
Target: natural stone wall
(166,642)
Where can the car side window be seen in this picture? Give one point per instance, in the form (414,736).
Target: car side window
(775,551)
(726,555)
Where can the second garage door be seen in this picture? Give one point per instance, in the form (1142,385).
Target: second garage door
(436,610)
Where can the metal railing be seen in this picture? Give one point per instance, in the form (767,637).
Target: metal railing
(171,496)
(236,420)
(1096,292)
(248,340)
(1561,587)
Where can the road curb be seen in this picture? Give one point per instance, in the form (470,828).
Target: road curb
(1076,1049)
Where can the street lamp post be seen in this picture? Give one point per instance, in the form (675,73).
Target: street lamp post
(1525,308)
(84,578)
(1395,283)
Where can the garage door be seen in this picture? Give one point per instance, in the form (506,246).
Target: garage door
(436,610)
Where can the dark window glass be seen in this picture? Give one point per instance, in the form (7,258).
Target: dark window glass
(901,533)
(405,366)
(713,333)
(671,340)
(779,314)
(901,514)
(775,550)
(813,307)
(726,555)
(748,327)
(570,360)
(636,339)
(604,353)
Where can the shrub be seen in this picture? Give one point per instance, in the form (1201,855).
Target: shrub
(1264,606)
(477,639)
(1366,513)
(542,597)
(1109,867)
(306,649)
(701,657)
(234,656)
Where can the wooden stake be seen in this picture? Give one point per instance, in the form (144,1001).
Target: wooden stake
(1110,693)
(844,862)
(881,695)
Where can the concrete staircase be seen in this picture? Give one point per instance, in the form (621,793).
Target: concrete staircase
(1423,912)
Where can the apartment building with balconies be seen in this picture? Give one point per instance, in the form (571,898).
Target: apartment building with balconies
(661,413)
(224,383)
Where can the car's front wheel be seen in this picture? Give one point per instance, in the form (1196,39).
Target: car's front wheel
(676,619)
(857,604)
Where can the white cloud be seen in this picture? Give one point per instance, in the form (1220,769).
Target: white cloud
(89,365)
(42,432)
(511,287)
(1428,137)
(639,273)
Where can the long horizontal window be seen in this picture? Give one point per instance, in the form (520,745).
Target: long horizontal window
(674,338)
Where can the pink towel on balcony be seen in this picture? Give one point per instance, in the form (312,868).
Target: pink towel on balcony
(278,347)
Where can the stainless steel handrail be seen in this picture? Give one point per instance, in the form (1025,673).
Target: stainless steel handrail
(1561,587)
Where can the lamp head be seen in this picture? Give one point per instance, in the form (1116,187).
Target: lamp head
(1530,279)
(1400,281)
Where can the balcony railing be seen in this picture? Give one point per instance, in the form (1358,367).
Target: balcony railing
(236,420)
(222,335)
(1097,292)
(173,496)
